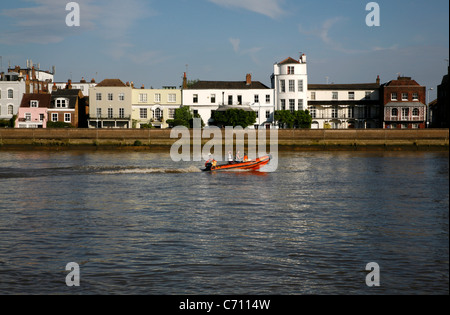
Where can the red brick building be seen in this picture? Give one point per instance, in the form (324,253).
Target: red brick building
(404,104)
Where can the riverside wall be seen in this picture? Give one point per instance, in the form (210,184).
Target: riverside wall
(415,139)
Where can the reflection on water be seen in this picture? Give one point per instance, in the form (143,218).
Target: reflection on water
(138,223)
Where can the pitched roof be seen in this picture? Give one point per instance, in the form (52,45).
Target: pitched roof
(351,86)
(70,94)
(44,100)
(403,81)
(227,85)
(111,83)
(288,60)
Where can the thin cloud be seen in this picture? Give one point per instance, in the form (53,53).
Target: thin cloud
(235,42)
(251,52)
(270,8)
(44,22)
(323,33)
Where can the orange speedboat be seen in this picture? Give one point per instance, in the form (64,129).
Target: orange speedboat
(247,165)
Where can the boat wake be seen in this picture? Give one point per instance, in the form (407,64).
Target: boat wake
(152,170)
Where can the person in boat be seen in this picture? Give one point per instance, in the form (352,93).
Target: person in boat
(245,157)
(211,161)
(238,157)
(230,158)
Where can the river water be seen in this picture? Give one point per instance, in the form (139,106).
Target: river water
(139,223)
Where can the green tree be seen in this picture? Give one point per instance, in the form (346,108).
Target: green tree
(303,119)
(285,118)
(296,119)
(184,117)
(234,117)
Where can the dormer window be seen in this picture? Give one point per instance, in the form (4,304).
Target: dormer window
(61,103)
(34,103)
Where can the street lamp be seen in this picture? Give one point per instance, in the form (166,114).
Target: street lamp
(428,107)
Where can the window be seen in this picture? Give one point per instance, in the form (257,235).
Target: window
(158,98)
(121,112)
(415,112)
(351,112)
(54,117)
(172,98)
(67,118)
(28,116)
(239,97)
(61,103)
(195,99)
(291,86)
(230,99)
(171,113)
(313,96)
(10,110)
(404,96)
(257,114)
(110,97)
(158,114)
(99,112)
(98,96)
(292,105)
(393,96)
(256,98)
(334,95)
(267,114)
(300,104)
(313,111)
(405,113)
(283,104)
(415,96)
(213,98)
(394,112)
(143,98)
(110,113)
(290,70)
(267,98)
(351,95)
(283,86)
(10,93)
(122,97)
(334,112)
(34,103)
(41,117)
(300,85)
(143,113)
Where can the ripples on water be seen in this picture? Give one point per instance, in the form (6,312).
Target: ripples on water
(138,223)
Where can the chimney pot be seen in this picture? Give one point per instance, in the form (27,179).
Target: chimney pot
(249,79)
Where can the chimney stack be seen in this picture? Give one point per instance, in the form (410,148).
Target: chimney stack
(378,80)
(248,79)
(184,81)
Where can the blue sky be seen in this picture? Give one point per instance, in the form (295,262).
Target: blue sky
(154,42)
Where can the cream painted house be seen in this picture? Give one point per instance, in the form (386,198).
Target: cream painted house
(110,105)
(154,106)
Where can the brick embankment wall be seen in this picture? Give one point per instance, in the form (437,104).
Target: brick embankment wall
(291,138)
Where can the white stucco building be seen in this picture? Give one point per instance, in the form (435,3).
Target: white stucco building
(12,88)
(290,82)
(83,85)
(345,106)
(204,97)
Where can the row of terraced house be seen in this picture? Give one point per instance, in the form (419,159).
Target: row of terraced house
(38,101)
